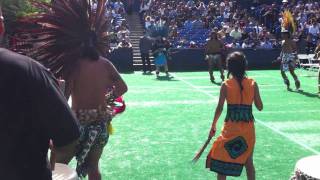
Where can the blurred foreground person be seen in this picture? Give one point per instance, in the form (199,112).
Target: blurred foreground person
(32,111)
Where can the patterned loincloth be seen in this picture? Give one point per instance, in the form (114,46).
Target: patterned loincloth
(287,60)
(94,133)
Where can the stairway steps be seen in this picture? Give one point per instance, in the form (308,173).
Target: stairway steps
(136,32)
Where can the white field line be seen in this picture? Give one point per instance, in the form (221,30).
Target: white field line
(200,102)
(165,103)
(294,111)
(197,77)
(274,129)
(164,90)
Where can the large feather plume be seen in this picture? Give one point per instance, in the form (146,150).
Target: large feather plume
(288,23)
(62,29)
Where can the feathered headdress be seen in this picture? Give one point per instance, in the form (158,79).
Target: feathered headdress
(288,24)
(65,31)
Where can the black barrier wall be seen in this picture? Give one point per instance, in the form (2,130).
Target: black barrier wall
(122,59)
(194,59)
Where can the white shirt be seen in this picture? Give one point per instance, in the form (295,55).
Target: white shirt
(314,30)
(226,15)
(118,5)
(266,45)
(245,45)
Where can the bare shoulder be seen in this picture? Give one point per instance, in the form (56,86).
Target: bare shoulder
(106,63)
(224,85)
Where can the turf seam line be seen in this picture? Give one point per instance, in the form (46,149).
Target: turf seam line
(257,120)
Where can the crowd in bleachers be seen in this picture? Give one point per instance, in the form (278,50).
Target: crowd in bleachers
(188,23)
(119,32)
(306,14)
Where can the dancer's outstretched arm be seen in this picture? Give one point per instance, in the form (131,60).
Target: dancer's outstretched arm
(257,99)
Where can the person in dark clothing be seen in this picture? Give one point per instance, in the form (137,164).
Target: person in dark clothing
(145,46)
(33,111)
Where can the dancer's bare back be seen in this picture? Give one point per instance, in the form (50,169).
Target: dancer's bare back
(288,46)
(90,80)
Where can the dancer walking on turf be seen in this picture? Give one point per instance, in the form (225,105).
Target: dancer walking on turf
(159,50)
(72,45)
(213,52)
(288,53)
(233,149)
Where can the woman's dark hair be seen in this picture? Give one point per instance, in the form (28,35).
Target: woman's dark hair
(237,64)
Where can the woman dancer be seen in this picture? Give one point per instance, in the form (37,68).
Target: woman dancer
(233,149)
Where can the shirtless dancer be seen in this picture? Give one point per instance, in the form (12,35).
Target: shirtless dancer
(288,58)
(213,52)
(91,80)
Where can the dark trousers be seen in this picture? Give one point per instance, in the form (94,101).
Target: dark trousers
(145,59)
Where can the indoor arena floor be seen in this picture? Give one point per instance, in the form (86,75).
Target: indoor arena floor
(168,120)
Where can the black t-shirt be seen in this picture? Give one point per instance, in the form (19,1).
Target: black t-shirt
(32,111)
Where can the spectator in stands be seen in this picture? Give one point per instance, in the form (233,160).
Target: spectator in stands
(314,29)
(190,3)
(317,56)
(234,45)
(246,44)
(189,23)
(310,44)
(226,15)
(145,46)
(197,23)
(202,8)
(147,22)
(236,34)
(123,32)
(151,28)
(222,32)
(118,5)
(228,39)
(213,53)
(124,44)
(266,44)
(144,6)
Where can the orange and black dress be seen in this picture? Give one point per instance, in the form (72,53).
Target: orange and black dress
(235,144)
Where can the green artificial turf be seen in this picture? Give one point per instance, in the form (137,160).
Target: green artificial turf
(167,121)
